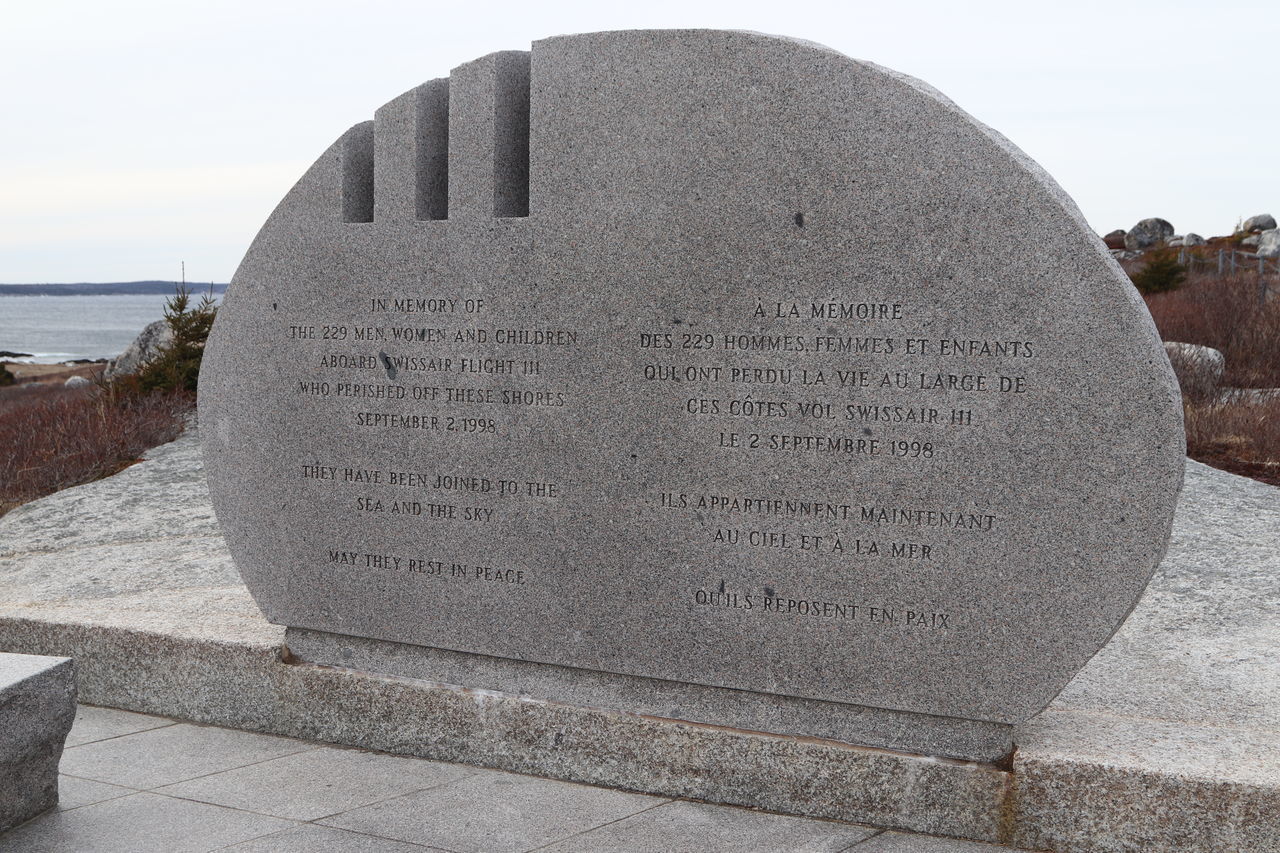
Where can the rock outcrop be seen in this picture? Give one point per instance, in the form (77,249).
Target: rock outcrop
(1115,239)
(144,348)
(1269,243)
(1261,222)
(1147,233)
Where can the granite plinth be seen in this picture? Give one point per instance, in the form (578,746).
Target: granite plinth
(737,709)
(37,707)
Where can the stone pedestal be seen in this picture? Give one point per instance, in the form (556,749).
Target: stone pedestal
(37,707)
(745,710)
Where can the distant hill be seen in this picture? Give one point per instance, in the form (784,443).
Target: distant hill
(118,288)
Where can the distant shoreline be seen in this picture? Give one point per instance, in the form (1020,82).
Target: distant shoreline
(118,288)
(70,326)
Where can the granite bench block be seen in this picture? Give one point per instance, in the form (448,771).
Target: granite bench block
(37,708)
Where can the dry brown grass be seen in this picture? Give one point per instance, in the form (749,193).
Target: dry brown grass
(52,437)
(1243,438)
(1226,314)
(1236,434)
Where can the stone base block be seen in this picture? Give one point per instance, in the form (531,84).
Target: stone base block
(1077,783)
(923,734)
(37,707)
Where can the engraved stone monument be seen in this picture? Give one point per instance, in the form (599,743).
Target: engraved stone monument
(707,375)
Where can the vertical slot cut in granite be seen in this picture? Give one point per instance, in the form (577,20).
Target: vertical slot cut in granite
(511,135)
(358,173)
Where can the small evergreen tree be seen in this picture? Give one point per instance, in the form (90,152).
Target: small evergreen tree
(1161,273)
(176,366)
(6,378)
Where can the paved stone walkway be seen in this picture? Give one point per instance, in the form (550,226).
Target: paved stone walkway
(140,784)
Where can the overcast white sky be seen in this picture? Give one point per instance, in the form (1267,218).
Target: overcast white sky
(137,135)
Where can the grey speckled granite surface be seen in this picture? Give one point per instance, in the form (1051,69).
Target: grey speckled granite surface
(37,706)
(733,317)
(1168,740)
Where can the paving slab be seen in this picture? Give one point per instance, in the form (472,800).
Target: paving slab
(318,783)
(718,829)
(169,754)
(898,842)
(94,724)
(74,792)
(310,838)
(140,823)
(495,813)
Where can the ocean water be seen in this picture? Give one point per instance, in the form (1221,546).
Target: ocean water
(61,328)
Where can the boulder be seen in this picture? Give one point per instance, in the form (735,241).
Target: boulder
(1176,241)
(1147,233)
(1198,368)
(1269,243)
(1115,239)
(1261,222)
(1192,239)
(144,348)
(76,382)
(1250,241)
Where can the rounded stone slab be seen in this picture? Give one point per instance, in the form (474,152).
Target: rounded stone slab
(702,356)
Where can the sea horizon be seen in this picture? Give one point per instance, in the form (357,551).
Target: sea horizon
(109,288)
(52,329)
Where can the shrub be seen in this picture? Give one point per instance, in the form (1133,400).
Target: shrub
(53,437)
(1161,272)
(176,366)
(1237,435)
(6,378)
(1196,373)
(1237,432)
(1225,313)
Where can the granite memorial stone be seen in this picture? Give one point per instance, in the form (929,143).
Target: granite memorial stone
(701,374)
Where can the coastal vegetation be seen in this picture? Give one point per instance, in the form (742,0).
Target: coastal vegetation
(1232,421)
(176,367)
(53,436)
(1159,273)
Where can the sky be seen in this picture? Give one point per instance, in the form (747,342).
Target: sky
(139,136)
